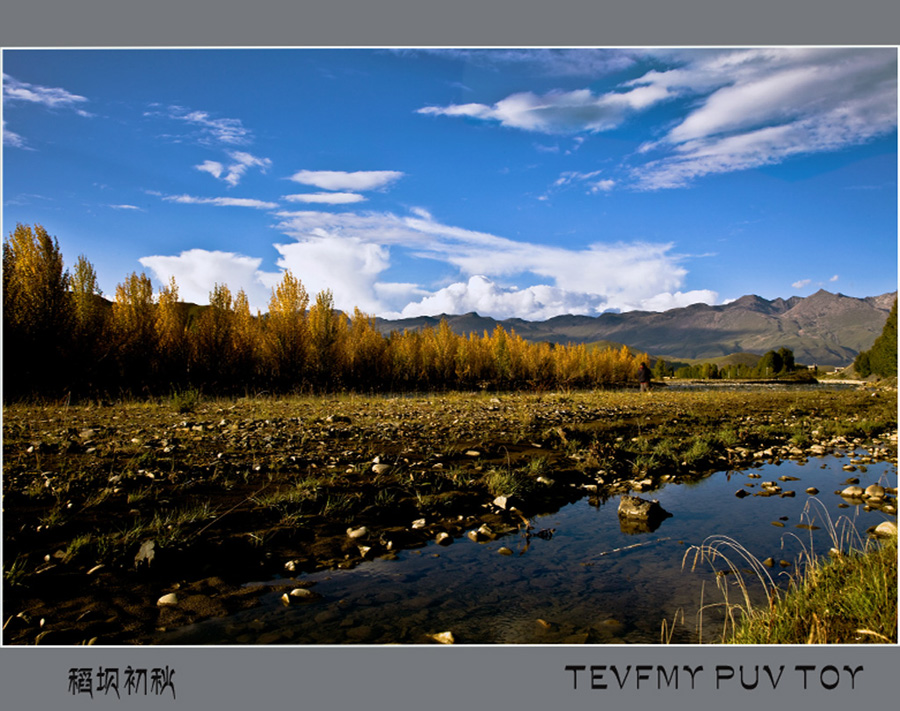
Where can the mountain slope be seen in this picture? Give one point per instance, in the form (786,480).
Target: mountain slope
(824,328)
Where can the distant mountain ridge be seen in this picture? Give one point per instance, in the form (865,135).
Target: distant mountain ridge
(823,328)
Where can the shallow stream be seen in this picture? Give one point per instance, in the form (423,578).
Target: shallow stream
(584,581)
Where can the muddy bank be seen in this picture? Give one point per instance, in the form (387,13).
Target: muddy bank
(107,509)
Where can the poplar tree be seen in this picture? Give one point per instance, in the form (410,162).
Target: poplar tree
(286,331)
(37,311)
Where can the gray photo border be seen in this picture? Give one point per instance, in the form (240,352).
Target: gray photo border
(437,677)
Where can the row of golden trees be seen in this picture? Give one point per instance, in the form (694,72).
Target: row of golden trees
(61,336)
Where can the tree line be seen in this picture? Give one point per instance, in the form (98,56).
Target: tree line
(62,337)
(881,358)
(773,364)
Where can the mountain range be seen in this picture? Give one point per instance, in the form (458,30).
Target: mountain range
(823,329)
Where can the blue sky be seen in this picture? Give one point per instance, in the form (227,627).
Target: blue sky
(511,182)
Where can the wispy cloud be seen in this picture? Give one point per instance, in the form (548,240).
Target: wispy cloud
(51,97)
(12,139)
(327,198)
(546,62)
(352,181)
(761,107)
(801,283)
(241,162)
(739,109)
(590,181)
(126,207)
(559,112)
(20,92)
(208,130)
(222,201)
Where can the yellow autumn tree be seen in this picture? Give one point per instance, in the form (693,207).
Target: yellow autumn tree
(286,332)
(37,310)
(133,329)
(327,331)
(246,340)
(170,325)
(366,353)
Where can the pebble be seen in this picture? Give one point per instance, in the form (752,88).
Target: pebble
(298,595)
(885,529)
(443,637)
(169,600)
(354,533)
(875,491)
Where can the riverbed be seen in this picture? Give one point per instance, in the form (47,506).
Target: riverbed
(578,575)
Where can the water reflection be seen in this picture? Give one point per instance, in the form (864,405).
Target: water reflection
(596,578)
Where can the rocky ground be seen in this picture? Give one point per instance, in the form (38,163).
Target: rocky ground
(123,520)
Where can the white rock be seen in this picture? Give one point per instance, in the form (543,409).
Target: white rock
(443,637)
(381,468)
(298,595)
(169,600)
(443,539)
(886,529)
(355,533)
(853,492)
(875,491)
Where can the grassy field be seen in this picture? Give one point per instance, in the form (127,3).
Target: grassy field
(850,598)
(114,503)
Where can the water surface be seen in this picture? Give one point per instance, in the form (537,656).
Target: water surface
(588,582)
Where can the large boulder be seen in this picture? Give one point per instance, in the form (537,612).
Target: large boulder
(637,515)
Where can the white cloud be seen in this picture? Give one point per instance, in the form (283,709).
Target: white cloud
(534,303)
(126,207)
(834,278)
(12,139)
(352,248)
(214,168)
(340,180)
(740,109)
(487,298)
(209,130)
(559,112)
(351,254)
(667,301)
(197,271)
(241,163)
(222,202)
(327,198)
(51,97)
(570,178)
(801,283)
(761,107)
(348,266)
